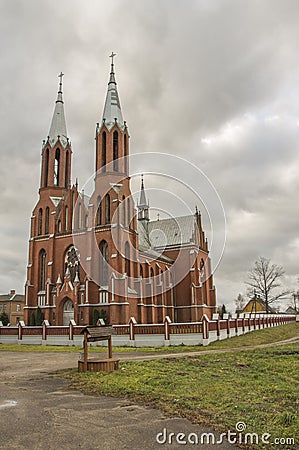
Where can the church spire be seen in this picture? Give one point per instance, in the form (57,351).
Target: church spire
(112,110)
(58,124)
(143,206)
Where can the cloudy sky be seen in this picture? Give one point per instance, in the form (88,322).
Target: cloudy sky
(215,82)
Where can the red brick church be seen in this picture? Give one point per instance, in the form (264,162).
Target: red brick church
(101,255)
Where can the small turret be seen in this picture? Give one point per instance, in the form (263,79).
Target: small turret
(143,205)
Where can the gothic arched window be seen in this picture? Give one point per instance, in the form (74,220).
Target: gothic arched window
(107,209)
(66,218)
(99,211)
(123,221)
(47,220)
(104,144)
(40,222)
(128,212)
(42,270)
(46,169)
(127,259)
(56,167)
(104,278)
(125,152)
(66,169)
(141,271)
(80,215)
(72,262)
(115,151)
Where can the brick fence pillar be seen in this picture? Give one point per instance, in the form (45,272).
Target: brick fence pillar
(132,323)
(167,322)
(45,325)
(21,325)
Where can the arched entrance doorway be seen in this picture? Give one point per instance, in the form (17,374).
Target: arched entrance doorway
(68,312)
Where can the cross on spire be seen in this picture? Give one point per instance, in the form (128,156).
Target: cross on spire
(60,82)
(112,56)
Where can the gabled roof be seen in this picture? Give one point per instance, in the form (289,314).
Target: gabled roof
(171,232)
(12,298)
(261,302)
(165,233)
(144,244)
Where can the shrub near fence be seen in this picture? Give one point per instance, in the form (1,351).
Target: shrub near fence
(136,335)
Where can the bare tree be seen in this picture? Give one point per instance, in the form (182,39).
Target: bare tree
(239,302)
(295,301)
(263,279)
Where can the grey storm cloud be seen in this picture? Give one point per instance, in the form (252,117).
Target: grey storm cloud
(214,82)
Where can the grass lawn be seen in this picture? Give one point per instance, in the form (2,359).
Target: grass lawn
(259,387)
(266,336)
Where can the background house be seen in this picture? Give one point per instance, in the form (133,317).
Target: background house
(258,306)
(12,304)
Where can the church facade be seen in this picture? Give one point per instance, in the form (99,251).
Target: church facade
(102,256)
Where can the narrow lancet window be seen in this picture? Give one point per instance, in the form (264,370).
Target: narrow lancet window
(47,220)
(42,270)
(66,181)
(125,153)
(56,167)
(107,209)
(66,218)
(127,259)
(104,143)
(115,151)
(46,168)
(99,211)
(40,222)
(104,278)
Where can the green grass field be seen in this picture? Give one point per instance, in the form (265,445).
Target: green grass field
(259,387)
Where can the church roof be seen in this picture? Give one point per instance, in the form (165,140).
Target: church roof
(112,108)
(171,232)
(58,124)
(144,244)
(143,240)
(165,233)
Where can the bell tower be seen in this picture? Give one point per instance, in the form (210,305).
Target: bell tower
(51,223)
(112,212)
(56,151)
(112,137)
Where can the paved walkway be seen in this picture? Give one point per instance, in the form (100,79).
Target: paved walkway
(38,411)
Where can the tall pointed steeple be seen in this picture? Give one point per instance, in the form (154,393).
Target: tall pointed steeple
(112,110)
(143,205)
(58,124)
